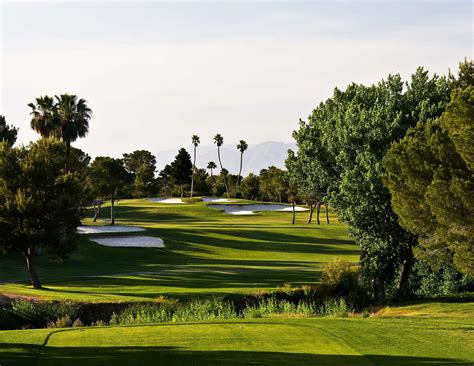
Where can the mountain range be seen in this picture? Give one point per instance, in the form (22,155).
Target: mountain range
(257,156)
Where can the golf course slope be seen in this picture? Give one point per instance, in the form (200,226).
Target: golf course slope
(445,338)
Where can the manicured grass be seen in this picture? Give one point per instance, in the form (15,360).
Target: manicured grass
(207,251)
(385,341)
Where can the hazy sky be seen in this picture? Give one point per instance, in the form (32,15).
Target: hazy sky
(155,73)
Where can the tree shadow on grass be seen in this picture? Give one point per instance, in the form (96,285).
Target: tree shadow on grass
(25,354)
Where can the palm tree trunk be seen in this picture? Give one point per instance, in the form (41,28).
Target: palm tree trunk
(220,163)
(28,253)
(211,173)
(240,170)
(68,153)
(112,213)
(192,175)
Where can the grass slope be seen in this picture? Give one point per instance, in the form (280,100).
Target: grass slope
(207,251)
(382,340)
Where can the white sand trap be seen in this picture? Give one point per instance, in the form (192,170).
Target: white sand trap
(131,241)
(108,229)
(250,209)
(216,199)
(165,200)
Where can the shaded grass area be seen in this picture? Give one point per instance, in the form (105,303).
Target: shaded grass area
(207,252)
(383,341)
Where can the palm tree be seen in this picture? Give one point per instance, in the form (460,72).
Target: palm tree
(242,146)
(219,140)
(44,119)
(195,140)
(211,165)
(66,118)
(74,116)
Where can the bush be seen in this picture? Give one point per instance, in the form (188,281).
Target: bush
(339,273)
(41,314)
(334,307)
(191,199)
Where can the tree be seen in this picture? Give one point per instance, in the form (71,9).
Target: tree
(219,140)
(250,187)
(141,164)
(430,177)
(242,147)
(273,184)
(181,169)
(211,165)
(195,141)
(39,202)
(65,117)
(202,183)
(347,137)
(108,177)
(7,133)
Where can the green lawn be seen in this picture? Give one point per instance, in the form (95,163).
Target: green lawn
(207,251)
(444,338)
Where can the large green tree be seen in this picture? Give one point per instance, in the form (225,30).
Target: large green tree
(181,169)
(141,164)
(39,202)
(430,174)
(7,133)
(273,184)
(344,142)
(108,179)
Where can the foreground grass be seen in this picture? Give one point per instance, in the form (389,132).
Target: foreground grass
(380,340)
(207,252)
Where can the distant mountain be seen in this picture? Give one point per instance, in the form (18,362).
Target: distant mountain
(258,156)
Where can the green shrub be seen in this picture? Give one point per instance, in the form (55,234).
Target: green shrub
(339,272)
(191,199)
(40,314)
(63,322)
(334,307)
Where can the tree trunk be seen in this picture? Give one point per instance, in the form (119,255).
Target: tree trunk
(220,163)
(182,191)
(311,209)
(28,253)
(318,211)
(96,213)
(192,175)
(405,269)
(112,213)
(211,173)
(293,221)
(327,213)
(240,171)
(379,290)
(279,197)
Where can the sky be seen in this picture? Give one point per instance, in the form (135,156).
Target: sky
(154,73)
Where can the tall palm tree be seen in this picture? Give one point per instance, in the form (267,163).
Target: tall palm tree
(195,140)
(65,117)
(44,120)
(211,165)
(74,116)
(242,146)
(219,141)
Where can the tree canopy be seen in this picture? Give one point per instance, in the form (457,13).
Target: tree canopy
(7,133)
(39,202)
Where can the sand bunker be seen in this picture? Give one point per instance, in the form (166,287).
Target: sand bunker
(108,229)
(165,200)
(216,199)
(131,241)
(250,209)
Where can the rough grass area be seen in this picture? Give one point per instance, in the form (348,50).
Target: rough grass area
(385,341)
(206,252)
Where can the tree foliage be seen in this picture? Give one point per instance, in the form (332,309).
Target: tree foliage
(7,133)
(430,177)
(340,151)
(39,202)
(141,164)
(181,169)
